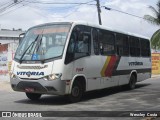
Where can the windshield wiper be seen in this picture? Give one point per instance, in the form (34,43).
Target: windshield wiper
(32,43)
(42,61)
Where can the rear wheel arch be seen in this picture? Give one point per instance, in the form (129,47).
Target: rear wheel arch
(132,80)
(134,72)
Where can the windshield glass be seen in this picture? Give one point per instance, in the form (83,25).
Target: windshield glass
(44,42)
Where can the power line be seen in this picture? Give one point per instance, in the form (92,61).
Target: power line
(39,13)
(38,2)
(61,16)
(10,6)
(76,9)
(17,2)
(11,10)
(34,8)
(51,8)
(5,4)
(77,5)
(107,8)
(71,12)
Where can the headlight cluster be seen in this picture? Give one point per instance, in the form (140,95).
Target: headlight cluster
(53,76)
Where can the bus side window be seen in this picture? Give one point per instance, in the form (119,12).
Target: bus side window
(145,48)
(107,40)
(134,46)
(82,46)
(122,45)
(95,41)
(79,44)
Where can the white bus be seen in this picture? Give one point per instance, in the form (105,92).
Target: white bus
(70,58)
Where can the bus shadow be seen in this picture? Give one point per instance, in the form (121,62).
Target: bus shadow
(61,100)
(46,100)
(110,91)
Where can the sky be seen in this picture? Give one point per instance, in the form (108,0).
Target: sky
(26,14)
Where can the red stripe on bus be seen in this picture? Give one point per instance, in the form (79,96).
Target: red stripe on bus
(110,67)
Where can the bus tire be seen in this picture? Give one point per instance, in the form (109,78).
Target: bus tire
(33,96)
(132,82)
(76,92)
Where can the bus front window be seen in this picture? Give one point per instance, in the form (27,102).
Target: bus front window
(43,42)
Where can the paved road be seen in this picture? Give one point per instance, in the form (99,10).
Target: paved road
(146,96)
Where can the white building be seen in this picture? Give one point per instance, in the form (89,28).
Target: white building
(9,40)
(9,36)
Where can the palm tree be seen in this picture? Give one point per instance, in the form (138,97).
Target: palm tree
(155,40)
(155,20)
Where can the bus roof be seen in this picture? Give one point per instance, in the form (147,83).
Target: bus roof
(96,26)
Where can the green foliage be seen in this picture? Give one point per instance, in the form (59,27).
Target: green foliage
(155,20)
(155,40)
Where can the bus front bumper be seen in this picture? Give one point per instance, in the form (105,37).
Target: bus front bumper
(56,87)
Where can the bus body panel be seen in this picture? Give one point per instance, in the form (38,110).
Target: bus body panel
(90,67)
(66,70)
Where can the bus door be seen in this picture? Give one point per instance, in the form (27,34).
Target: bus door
(84,63)
(94,63)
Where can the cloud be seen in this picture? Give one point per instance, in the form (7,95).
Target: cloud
(132,24)
(33,14)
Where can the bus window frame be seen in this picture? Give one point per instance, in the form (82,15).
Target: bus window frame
(101,43)
(76,30)
(93,41)
(146,40)
(126,36)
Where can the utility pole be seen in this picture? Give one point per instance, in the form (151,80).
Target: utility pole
(99,12)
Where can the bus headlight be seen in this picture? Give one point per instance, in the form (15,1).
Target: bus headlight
(53,76)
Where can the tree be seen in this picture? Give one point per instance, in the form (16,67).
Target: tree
(155,20)
(155,40)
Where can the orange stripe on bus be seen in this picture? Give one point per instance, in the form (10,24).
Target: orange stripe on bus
(110,66)
(105,66)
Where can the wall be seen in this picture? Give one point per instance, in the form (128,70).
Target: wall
(7,52)
(4,59)
(155,63)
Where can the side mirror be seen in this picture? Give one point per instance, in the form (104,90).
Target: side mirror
(21,36)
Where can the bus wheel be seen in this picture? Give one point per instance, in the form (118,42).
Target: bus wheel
(33,96)
(132,82)
(76,92)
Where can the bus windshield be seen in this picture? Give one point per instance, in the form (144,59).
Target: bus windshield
(43,42)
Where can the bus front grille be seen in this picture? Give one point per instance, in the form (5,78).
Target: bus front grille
(32,67)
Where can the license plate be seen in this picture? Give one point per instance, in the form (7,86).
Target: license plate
(29,89)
